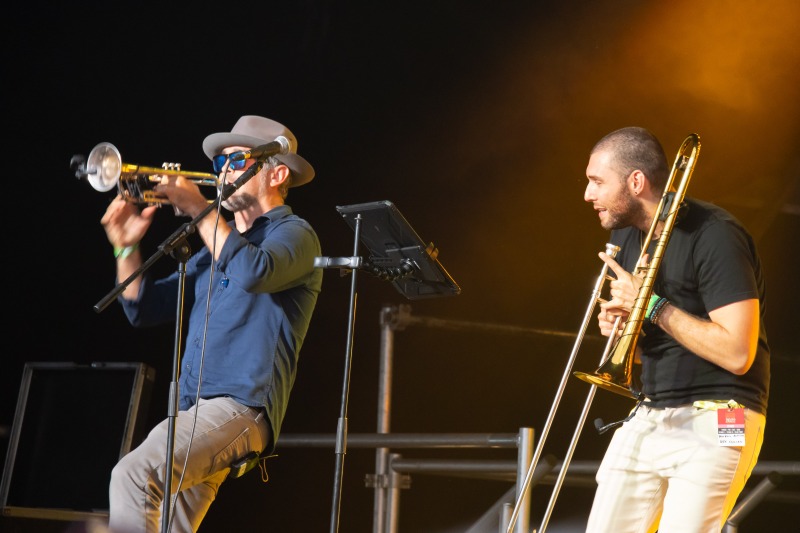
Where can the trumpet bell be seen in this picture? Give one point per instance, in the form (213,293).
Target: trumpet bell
(105,170)
(103,167)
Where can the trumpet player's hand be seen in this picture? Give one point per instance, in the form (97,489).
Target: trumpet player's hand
(125,224)
(183,194)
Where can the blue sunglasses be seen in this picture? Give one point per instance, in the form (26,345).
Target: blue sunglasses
(219,162)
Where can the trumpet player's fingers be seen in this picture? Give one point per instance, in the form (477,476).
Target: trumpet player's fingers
(124,224)
(116,209)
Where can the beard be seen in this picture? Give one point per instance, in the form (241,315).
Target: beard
(239,201)
(248,195)
(624,212)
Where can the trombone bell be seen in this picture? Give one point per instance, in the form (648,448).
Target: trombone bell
(105,169)
(616,373)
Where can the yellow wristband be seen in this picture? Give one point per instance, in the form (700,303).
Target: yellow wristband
(122,253)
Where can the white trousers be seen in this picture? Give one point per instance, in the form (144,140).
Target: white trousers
(225,431)
(665,470)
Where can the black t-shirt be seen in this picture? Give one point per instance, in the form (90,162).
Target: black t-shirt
(710,261)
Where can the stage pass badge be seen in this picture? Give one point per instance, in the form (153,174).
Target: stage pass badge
(730,426)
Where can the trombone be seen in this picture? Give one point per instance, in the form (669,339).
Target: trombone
(104,169)
(615,372)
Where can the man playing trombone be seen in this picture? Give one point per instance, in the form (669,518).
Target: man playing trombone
(680,462)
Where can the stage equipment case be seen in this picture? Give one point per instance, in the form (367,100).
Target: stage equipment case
(73,422)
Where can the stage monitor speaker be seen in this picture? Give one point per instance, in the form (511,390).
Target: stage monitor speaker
(73,422)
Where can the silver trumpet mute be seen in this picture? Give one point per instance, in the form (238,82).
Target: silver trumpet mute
(103,167)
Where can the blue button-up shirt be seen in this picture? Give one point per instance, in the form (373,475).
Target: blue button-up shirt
(263,293)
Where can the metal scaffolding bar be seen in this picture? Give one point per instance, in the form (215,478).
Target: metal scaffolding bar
(390,468)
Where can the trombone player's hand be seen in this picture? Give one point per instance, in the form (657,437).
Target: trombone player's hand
(623,291)
(610,322)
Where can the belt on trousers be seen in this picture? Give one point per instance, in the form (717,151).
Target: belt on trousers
(717,404)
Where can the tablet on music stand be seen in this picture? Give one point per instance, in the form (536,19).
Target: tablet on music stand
(394,246)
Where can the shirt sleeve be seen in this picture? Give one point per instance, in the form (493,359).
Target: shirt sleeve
(724,258)
(281,260)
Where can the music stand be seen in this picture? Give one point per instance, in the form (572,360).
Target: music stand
(396,254)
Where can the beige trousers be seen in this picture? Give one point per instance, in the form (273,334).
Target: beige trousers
(225,431)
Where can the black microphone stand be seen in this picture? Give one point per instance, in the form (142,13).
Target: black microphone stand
(177,246)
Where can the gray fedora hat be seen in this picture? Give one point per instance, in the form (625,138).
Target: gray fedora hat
(253,131)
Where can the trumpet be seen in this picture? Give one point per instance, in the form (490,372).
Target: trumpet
(615,373)
(104,170)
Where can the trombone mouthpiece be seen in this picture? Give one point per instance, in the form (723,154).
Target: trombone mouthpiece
(612,249)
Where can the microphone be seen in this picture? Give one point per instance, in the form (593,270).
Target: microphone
(598,424)
(279,146)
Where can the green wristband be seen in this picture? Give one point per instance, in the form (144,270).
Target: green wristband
(653,299)
(122,253)
(657,309)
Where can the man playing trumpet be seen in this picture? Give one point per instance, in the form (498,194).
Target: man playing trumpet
(251,292)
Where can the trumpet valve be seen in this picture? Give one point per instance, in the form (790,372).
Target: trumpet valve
(151,198)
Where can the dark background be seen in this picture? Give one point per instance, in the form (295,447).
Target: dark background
(475,119)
